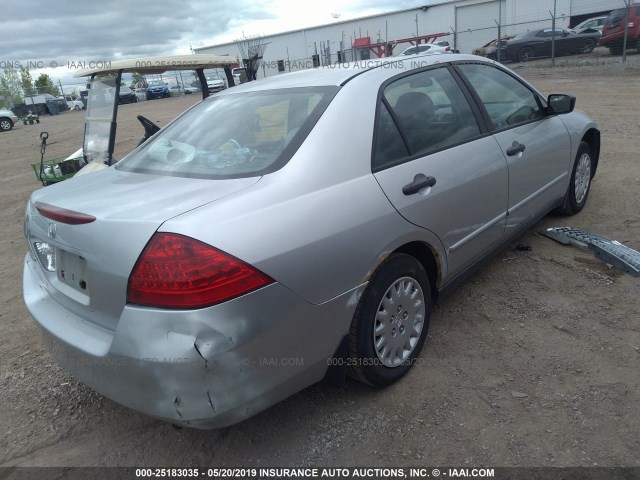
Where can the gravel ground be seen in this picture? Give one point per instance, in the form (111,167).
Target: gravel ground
(532,362)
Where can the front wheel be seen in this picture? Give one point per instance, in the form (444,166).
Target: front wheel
(391,321)
(615,50)
(580,184)
(77,108)
(525,54)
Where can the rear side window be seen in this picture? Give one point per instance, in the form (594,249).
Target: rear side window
(233,136)
(430,110)
(390,147)
(508,102)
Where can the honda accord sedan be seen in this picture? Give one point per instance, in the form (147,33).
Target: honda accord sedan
(226,264)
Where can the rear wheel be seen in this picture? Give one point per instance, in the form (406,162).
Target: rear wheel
(6,124)
(76,108)
(587,46)
(525,54)
(580,184)
(391,321)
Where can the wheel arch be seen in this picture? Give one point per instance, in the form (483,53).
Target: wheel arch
(592,137)
(428,258)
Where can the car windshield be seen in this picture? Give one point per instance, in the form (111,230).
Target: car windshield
(156,83)
(233,136)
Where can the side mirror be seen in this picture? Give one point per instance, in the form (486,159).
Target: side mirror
(560,103)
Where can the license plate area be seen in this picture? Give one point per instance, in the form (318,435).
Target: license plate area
(72,271)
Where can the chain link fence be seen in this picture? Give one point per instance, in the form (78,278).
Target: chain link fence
(545,38)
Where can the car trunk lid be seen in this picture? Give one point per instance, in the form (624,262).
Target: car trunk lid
(95,257)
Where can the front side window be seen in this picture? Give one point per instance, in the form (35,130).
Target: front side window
(430,109)
(232,136)
(507,101)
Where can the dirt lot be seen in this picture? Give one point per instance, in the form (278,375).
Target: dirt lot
(532,362)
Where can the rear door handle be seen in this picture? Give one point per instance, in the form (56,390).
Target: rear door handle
(515,148)
(420,181)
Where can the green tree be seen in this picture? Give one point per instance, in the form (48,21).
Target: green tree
(44,84)
(10,86)
(26,82)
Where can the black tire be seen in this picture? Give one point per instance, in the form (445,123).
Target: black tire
(575,199)
(616,49)
(396,280)
(587,46)
(525,54)
(6,124)
(30,122)
(77,107)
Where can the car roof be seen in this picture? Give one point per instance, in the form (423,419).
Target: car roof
(339,74)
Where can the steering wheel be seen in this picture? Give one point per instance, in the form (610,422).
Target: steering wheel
(235,143)
(150,128)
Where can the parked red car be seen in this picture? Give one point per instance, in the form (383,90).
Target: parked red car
(613,29)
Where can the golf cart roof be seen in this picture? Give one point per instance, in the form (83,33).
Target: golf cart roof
(156,65)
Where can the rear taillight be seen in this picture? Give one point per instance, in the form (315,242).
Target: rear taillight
(175,271)
(448,49)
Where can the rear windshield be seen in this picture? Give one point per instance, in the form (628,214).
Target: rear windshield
(617,15)
(233,136)
(620,14)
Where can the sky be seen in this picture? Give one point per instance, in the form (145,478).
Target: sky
(57,36)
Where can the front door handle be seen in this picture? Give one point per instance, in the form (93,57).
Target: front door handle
(420,181)
(515,148)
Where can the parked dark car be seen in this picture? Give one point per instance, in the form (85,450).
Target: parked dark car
(537,43)
(613,30)
(127,96)
(157,89)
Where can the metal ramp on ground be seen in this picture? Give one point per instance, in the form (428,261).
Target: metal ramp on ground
(609,251)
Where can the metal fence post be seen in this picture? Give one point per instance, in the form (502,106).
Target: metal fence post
(626,31)
(553,36)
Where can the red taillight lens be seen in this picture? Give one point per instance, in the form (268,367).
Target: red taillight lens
(175,271)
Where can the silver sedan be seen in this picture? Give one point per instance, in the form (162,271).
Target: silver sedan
(295,228)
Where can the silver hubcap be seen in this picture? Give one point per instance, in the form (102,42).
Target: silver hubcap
(399,321)
(4,125)
(583,177)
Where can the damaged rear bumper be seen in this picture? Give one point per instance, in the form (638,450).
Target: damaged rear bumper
(205,368)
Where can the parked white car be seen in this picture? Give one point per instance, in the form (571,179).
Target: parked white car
(7,120)
(74,103)
(239,75)
(424,48)
(590,25)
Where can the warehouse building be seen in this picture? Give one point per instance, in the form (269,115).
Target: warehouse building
(464,24)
